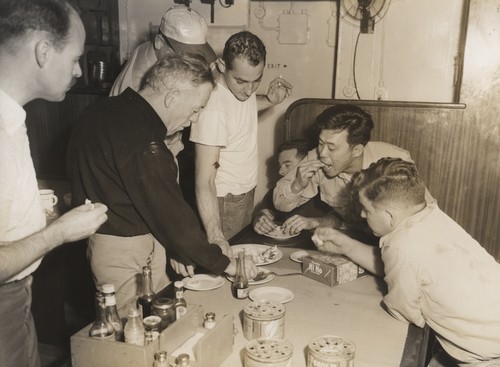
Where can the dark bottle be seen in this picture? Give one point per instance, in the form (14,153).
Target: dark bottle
(180,304)
(101,328)
(240,284)
(146,297)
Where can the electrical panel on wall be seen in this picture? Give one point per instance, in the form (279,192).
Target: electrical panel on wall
(293,28)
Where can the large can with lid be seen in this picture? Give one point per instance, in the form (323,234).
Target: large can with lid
(264,319)
(164,307)
(330,351)
(263,352)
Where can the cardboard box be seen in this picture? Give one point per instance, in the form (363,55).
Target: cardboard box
(331,269)
(210,350)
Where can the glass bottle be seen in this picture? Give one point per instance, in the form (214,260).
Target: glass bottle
(146,297)
(101,328)
(180,304)
(108,290)
(161,359)
(182,360)
(209,322)
(240,284)
(134,330)
(164,307)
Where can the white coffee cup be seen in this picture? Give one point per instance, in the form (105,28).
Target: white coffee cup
(49,199)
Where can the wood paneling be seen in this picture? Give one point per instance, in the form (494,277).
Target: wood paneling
(446,145)
(49,125)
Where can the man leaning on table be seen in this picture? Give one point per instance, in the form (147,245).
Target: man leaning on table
(117,156)
(344,148)
(225,138)
(436,273)
(40,44)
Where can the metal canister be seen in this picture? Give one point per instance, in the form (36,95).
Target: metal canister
(264,319)
(263,352)
(330,351)
(164,307)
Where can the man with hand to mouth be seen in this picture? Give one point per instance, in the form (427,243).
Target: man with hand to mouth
(344,148)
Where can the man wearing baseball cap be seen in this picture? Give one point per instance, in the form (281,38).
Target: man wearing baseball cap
(181,30)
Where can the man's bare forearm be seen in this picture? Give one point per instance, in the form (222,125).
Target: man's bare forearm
(17,256)
(208,207)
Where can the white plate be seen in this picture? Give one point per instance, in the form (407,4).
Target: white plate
(268,278)
(278,235)
(255,250)
(298,256)
(203,282)
(279,294)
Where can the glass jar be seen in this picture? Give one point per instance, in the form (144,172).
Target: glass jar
(164,307)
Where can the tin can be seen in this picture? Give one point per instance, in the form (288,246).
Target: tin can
(152,325)
(264,319)
(263,352)
(330,351)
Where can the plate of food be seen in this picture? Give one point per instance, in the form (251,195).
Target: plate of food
(203,282)
(263,276)
(261,254)
(278,234)
(279,294)
(299,255)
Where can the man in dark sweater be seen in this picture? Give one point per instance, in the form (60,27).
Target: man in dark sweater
(117,156)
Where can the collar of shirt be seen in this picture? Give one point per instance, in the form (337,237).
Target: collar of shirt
(409,222)
(152,117)
(12,115)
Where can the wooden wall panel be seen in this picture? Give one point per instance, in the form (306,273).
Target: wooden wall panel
(448,149)
(49,126)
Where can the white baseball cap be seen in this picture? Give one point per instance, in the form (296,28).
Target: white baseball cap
(186,31)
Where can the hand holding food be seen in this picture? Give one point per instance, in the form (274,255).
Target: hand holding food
(305,172)
(263,222)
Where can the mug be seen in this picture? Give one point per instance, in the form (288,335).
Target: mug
(49,199)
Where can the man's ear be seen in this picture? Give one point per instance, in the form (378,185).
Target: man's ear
(170,97)
(43,50)
(221,65)
(357,151)
(158,42)
(393,220)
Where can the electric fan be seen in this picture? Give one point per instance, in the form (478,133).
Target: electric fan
(364,13)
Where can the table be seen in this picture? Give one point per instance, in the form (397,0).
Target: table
(352,310)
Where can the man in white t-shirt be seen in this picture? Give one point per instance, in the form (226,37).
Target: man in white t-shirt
(226,138)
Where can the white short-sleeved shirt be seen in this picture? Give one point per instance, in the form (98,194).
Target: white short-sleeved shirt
(21,212)
(438,274)
(231,125)
(141,60)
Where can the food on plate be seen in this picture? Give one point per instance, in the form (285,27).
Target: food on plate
(265,255)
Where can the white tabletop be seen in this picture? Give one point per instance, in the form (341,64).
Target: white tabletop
(352,310)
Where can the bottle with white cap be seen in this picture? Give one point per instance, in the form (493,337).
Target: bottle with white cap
(180,305)
(134,330)
(108,290)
